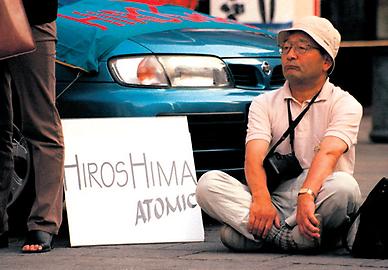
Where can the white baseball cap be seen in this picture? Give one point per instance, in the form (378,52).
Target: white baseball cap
(320,30)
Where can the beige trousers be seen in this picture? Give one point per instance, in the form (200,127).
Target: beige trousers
(226,199)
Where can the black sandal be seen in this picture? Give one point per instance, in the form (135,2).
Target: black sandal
(40,238)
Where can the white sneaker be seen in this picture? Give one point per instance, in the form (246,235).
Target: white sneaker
(234,240)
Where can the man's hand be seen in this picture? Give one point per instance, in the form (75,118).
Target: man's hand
(323,164)
(262,216)
(305,218)
(262,213)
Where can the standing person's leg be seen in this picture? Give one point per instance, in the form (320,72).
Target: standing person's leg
(34,78)
(6,161)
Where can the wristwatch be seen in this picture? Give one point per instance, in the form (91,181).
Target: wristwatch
(308,191)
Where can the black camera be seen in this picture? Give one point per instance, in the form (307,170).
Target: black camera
(280,168)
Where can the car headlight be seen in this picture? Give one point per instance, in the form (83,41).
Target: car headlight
(170,71)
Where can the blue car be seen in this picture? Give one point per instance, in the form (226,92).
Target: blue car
(207,72)
(142,59)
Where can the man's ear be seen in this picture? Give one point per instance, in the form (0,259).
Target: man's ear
(327,62)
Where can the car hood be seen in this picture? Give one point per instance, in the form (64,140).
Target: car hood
(223,43)
(88,30)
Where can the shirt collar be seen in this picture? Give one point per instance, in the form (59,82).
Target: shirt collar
(325,92)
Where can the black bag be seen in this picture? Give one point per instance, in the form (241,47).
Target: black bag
(371,239)
(278,167)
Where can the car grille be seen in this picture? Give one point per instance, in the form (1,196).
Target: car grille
(251,76)
(245,75)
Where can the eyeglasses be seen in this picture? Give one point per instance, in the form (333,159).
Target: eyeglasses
(299,48)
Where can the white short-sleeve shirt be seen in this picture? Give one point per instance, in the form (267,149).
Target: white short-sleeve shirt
(334,113)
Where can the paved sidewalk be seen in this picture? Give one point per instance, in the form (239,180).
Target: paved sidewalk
(372,164)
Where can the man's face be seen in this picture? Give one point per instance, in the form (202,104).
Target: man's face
(301,59)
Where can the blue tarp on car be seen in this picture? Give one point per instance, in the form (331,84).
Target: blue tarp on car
(88,29)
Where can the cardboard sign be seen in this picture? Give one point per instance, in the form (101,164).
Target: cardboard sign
(130,180)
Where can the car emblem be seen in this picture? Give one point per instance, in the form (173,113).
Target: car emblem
(266,68)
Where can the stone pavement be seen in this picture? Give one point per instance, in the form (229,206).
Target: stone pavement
(372,164)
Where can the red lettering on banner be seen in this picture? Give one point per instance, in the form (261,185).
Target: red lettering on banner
(133,14)
(196,17)
(115,15)
(85,21)
(136,15)
(153,9)
(107,18)
(185,3)
(172,17)
(149,2)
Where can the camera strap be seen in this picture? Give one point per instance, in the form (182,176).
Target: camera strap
(292,125)
(292,132)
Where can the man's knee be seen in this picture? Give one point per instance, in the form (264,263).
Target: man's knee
(339,198)
(204,185)
(216,183)
(344,187)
